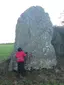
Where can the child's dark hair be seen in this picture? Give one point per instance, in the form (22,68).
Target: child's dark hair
(19,49)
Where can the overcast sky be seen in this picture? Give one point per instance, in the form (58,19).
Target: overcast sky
(10,10)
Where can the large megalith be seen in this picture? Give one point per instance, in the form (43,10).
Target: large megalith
(33,35)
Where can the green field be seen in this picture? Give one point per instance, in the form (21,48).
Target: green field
(6,50)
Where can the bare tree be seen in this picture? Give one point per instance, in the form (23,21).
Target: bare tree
(61,18)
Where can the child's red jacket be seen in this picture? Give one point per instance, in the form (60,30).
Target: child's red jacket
(20,56)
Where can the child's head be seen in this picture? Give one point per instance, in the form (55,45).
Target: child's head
(19,49)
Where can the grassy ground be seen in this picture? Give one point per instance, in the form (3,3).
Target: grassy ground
(43,77)
(5,50)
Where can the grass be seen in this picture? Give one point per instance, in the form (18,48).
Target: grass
(6,50)
(11,79)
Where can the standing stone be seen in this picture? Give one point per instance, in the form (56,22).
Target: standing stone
(58,43)
(33,35)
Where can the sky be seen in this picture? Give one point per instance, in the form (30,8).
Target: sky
(10,10)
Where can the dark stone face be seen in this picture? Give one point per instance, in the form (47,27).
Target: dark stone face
(58,44)
(58,41)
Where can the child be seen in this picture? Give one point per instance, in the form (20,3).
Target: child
(20,54)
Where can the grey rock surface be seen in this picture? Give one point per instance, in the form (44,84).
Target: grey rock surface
(33,35)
